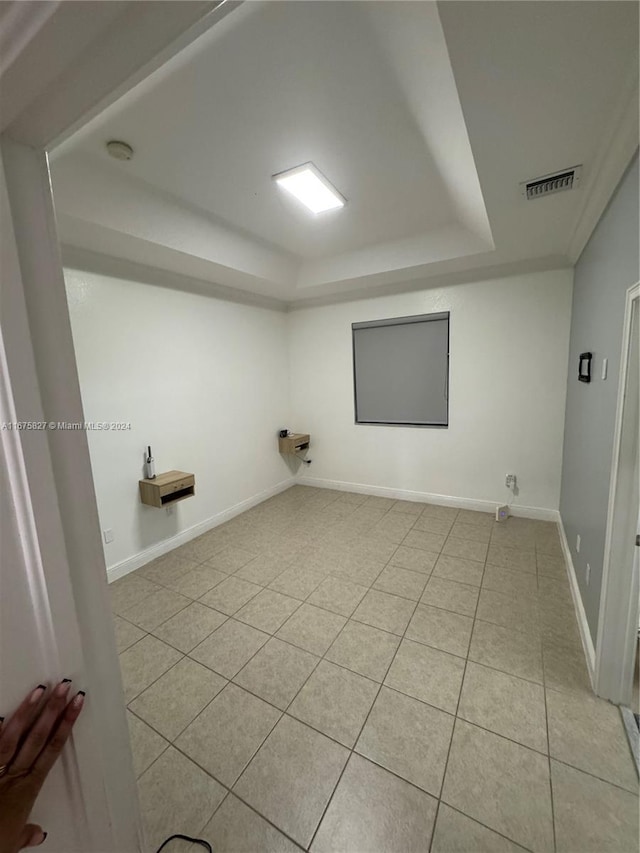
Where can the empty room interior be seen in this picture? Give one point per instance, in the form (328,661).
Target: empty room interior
(353,296)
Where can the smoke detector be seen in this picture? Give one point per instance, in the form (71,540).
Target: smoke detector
(119,150)
(558,182)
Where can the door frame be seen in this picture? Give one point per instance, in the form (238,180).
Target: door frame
(56,618)
(618,614)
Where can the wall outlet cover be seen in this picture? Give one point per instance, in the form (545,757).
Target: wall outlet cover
(108,536)
(578,543)
(502,513)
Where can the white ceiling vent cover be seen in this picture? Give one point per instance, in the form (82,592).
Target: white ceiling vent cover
(558,182)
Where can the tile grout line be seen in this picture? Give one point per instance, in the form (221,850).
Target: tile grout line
(453,731)
(369,587)
(594,776)
(394,690)
(375,699)
(240,687)
(172,743)
(458,717)
(233,615)
(480,823)
(188,654)
(133,698)
(229,790)
(546,717)
(148,633)
(339,743)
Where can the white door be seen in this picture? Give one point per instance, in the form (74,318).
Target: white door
(55,618)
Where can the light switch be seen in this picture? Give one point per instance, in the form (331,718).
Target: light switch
(605,366)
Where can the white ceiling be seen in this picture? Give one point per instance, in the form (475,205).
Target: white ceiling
(425,117)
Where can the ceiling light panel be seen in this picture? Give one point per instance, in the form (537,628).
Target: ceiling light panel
(310,187)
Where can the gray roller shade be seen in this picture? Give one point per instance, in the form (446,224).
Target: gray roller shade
(401,370)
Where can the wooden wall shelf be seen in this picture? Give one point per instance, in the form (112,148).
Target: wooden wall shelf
(294,443)
(168,488)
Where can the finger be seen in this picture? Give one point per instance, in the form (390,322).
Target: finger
(52,750)
(35,740)
(18,724)
(31,836)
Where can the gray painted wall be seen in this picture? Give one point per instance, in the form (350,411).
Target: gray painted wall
(607,267)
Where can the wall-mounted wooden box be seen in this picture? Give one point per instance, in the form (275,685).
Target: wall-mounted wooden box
(167,488)
(294,443)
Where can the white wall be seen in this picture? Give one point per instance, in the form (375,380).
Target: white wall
(203,380)
(509,342)
(208,382)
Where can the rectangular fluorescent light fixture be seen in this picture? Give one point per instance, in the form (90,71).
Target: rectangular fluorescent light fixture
(309,186)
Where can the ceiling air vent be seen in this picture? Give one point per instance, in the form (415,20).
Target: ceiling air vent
(548,184)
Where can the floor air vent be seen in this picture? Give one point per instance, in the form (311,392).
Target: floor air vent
(548,184)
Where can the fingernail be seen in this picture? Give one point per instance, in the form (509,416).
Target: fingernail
(37,693)
(44,835)
(63,688)
(65,680)
(78,699)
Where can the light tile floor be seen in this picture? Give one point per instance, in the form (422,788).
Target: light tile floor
(335,672)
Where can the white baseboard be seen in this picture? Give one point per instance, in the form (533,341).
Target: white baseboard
(581,616)
(119,570)
(539,513)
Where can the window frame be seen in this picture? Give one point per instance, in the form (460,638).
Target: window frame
(401,321)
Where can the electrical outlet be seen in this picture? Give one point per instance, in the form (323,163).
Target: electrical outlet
(108,536)
(510,481)
(502,512)
(578,543)
(588,573)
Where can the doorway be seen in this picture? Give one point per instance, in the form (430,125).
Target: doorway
(617,646)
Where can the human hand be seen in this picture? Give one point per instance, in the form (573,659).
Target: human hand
(30,742)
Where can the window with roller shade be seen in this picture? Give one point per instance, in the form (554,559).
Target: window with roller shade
(401,371)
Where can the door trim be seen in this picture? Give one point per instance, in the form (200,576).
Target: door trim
(618,614)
